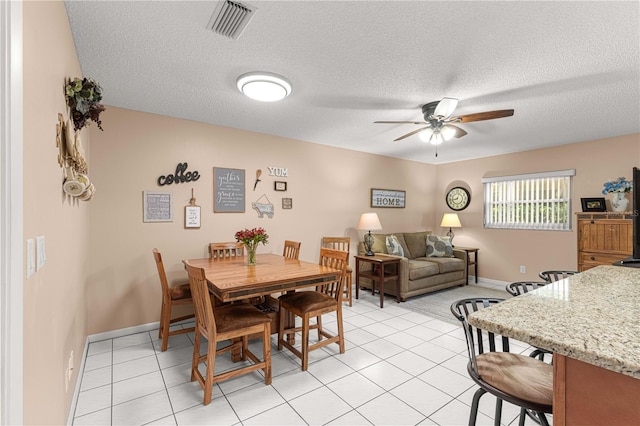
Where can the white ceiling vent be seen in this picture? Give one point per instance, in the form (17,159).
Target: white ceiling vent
(230,18)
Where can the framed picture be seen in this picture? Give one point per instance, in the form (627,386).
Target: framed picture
(387,198)
(157,206)
(280,185)
(287,203)
(192,216)
(228,190)
(593,205)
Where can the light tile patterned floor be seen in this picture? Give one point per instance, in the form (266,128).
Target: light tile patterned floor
(400,368)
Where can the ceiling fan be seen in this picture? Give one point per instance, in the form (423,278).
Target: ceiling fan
(438,126)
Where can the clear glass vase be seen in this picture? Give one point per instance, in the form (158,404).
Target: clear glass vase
(251,255)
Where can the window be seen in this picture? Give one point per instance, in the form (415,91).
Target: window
(533,201)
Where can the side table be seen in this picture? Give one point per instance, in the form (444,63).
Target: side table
(379,273)
(470,262)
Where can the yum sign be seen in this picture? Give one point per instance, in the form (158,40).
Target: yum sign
(278,171)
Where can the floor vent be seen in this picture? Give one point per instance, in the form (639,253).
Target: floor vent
(230,18)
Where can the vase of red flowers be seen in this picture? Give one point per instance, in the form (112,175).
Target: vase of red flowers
(251,238)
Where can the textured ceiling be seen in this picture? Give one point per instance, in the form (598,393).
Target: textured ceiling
(570,70)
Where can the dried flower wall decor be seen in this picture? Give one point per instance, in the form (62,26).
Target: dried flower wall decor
(83,98)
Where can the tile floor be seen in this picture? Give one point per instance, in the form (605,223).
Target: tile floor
(400,368)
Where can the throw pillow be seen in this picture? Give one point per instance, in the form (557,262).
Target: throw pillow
(439,246)
(393,246)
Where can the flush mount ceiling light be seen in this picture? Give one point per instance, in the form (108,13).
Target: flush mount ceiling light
(264,86)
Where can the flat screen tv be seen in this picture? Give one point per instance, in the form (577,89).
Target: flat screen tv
(634,260)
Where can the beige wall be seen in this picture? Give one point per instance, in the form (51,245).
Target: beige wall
(330,188)
(100,275)
(502,251)
(54,297)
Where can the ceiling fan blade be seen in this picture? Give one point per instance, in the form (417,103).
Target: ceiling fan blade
(459,132)
(400,122)
(480,116)
(445,107)
(411,133)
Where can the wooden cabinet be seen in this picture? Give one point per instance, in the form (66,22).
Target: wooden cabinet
(603,238)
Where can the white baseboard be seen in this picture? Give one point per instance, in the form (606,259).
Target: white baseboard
(484,282)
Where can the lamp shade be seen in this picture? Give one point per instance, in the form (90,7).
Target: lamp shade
(450,220)
(369,222)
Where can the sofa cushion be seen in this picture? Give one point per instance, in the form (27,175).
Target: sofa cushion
(448,264)
(416,244)
(422,268)
(393,246)
(439,246)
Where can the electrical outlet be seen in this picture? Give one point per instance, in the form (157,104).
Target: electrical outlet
(523,269)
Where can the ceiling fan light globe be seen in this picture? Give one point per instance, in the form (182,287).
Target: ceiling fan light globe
(447,132)
(425,135)
(436,139)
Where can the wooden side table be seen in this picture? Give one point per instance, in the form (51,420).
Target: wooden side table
(470,262)
(379,273)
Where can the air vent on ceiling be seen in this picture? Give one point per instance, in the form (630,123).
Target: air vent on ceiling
(230,18)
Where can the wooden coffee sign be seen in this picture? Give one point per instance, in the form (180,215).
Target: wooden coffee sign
(180,176)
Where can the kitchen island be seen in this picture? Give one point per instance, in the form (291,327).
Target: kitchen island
(591,321)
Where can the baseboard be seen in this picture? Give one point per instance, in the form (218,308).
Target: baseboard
(484,282)
(96,338)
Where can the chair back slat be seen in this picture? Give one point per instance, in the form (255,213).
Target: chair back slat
(553,276)
(291,249)
(337,243)
(205,319)
(522,287)
(222,251)
(336,259)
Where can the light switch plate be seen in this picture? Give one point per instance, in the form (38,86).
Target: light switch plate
(31,257)
(41,254)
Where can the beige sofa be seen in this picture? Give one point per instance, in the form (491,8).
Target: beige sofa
(418,273)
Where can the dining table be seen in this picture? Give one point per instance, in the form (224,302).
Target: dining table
(231,279)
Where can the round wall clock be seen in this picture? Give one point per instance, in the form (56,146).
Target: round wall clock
(458,198)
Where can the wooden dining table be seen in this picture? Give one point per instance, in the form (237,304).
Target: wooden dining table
(232,279)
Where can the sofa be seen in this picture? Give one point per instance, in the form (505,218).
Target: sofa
(419,272)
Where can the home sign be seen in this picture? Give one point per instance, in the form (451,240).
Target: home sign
(180,176)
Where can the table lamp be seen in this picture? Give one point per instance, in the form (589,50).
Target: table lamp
(452,221)
(369,222)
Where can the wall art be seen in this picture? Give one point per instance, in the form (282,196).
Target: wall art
(228,190)
(157,206)
(387,198)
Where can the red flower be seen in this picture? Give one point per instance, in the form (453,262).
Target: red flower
(252,237)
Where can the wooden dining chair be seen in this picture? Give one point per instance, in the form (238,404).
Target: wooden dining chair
(221,251)
(177,295)
(309,304)
(519,379)
(291,249)
(344,244)
(233,322)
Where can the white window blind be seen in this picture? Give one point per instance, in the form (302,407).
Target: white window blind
(539,201)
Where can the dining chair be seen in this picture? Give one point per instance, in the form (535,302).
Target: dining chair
(221,251)
(344,244)
(309,304)
(177,295)
(519,379)
(291,249)
(553,276)
(234,322)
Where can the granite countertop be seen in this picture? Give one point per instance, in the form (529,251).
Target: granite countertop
(593,317)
